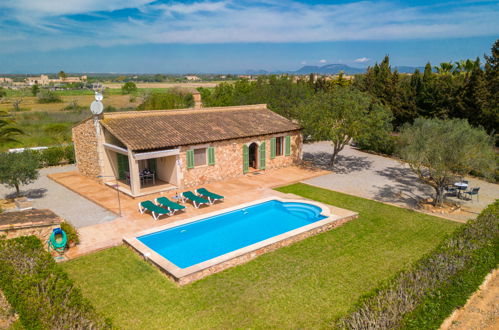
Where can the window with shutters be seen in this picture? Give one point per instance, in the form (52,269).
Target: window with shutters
(279,146)
(200,157)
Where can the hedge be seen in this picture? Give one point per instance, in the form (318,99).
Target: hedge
(424,295)
(40,291)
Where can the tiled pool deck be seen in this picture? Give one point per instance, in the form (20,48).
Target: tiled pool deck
(237,191)
(334,218)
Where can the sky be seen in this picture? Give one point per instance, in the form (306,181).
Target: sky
(226,36)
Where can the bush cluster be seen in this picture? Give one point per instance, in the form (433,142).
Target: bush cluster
(172,99)
(71,232)
(54,156)
(46,96)
(40,291)
(424,295)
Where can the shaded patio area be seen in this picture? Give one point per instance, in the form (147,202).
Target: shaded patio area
(239,190)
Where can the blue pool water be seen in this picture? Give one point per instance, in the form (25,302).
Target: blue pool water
(205,239)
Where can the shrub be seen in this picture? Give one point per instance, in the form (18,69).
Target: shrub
(46,96)
(426,293)
(71,232)
(52,156)
(40,291)
(129,88)
(69,153)
(380,144)
(167,100)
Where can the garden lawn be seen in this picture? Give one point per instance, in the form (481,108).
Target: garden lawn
(306,285)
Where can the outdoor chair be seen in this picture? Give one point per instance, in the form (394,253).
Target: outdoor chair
(155,210)
(212,197)
(472,192)
(196,200)
(171,206)
(451,190)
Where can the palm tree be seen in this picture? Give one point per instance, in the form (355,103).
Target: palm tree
(444,68)
(7,129)
(466,66)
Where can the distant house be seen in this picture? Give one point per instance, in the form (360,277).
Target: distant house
(5,80)
(192,78)
(44,80)
(152,151)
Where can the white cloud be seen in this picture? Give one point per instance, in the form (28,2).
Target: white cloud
(48,24)
(322,61)
(362,60)
(303,62)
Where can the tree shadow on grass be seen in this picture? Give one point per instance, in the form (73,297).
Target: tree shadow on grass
(344,164)
(31,193)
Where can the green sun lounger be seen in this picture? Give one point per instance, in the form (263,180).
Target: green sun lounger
(155,210)
(196,200)
(212,197)
(172,206)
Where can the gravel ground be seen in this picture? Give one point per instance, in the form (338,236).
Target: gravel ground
(47,194)
(385,179)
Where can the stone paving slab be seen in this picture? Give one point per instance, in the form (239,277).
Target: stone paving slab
(386,180)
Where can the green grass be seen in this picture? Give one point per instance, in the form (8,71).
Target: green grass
(305,285)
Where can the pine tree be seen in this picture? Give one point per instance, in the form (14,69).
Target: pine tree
(492,76)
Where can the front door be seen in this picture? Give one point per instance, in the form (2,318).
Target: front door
(252,154)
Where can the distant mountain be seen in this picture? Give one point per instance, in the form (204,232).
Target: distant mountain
(329,69)
(408,69)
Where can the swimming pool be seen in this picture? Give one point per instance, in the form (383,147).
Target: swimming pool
(205,239)
(188,250)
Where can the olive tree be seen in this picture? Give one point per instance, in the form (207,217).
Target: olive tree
(18,169)
(437,150)
(341,115)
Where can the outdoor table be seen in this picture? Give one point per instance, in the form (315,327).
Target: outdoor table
(460,186)
(146,177)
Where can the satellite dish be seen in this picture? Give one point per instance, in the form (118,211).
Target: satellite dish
(99,96)
(96,107)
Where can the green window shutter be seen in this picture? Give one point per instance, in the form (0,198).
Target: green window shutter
(262,156)
(245,159)
(123,166)
(211,156)
(152,164)
(190,158)
(272,148)
(288,146)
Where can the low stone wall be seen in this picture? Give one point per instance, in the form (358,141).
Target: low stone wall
(241,259)
(254,254)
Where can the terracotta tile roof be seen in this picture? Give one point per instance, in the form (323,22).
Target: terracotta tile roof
(146,130)
(30,218)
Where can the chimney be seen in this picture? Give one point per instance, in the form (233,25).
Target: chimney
(197,100)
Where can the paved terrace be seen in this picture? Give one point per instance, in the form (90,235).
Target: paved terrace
(236,191)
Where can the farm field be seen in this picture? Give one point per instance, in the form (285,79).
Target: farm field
(206,84)
(30,103)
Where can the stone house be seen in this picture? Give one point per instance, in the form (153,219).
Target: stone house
(147,152)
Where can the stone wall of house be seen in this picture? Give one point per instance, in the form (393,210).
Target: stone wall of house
(86,149)
(229,159)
